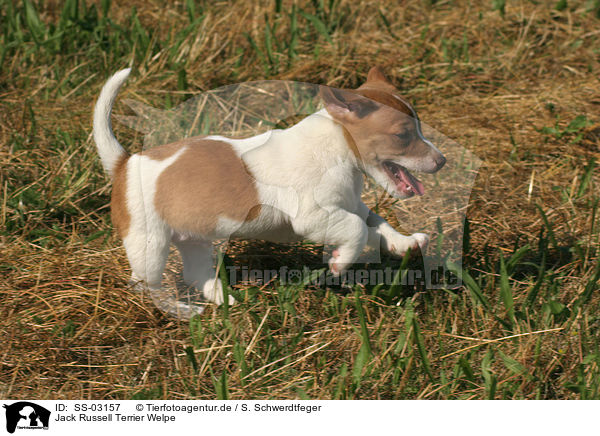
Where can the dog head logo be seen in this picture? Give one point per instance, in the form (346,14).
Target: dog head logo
(26,415)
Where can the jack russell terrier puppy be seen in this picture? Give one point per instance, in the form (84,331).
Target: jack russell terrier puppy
(303,182)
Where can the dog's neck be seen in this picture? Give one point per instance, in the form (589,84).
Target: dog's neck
(329,136)
(317,143)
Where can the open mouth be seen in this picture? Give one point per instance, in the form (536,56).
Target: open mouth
(404,181)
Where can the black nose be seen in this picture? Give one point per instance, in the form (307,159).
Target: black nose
(440,161)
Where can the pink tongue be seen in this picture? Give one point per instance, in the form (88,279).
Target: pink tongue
(413,182)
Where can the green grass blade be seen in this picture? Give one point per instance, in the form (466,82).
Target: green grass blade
(293,42)
(190,8)
(259,52)
(191,357)
(239,354)
(34,23)
(533,293)
(363,357)
(269,43)
(466,369)
(516,258)
(396,285)
(341,382)
(363,322)
(489,378)
(511,364)
(365,352)
(587,177)
(466,237)
(506,293)
(470,283)
(548,226)
(418,338)
(319,26)
(386,24)
(590,287)
(221,387)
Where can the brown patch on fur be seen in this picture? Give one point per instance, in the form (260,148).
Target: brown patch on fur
(206,182)
(118,203)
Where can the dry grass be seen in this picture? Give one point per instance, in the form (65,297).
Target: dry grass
(489,80)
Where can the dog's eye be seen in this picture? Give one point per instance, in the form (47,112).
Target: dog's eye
(403,136)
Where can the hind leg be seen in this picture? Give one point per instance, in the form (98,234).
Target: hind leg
(147,245)
(198,269)
(147,255)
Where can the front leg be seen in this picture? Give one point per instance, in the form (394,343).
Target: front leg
(344,229)
(383,236)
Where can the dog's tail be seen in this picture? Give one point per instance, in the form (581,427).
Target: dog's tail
(111,152)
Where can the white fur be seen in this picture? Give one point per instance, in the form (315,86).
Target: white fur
(108,147)
(309,186)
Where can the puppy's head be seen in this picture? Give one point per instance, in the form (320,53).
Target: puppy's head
(384,132)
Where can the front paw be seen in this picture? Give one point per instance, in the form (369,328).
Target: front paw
(415,242)
(334,267)
(422,242)
(213,292)
(338,263)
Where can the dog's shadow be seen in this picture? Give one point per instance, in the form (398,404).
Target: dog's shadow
(261,263)
(242,259)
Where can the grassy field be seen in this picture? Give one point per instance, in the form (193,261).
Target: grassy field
(516,82)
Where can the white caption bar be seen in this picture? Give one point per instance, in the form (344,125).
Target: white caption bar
(89,418)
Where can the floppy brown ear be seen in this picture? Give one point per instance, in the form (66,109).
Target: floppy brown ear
(376,75)
(345,105)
